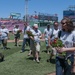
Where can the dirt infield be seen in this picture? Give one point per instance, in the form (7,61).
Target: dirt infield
(55,74)
(14,40)
(22,40)
(51,73)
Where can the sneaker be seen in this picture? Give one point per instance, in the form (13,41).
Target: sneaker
(34,60)
(29,54)
(19,45)
(7,48)
(48,60)
(48,52)
(22,51)
(15,45)
(37,61)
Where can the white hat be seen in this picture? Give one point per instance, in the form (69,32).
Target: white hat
(35,25)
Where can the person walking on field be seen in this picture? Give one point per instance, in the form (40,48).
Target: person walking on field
(54,34)
(64,64)
(5,36)
(16,32)
(47,34)
(26,38)
(36,43)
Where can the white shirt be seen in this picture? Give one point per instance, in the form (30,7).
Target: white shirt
(68,40)
(5,30)
(47,33)
(27,29)
(3,36)
(37,36)
(54,33)
(32,31)
(15,30)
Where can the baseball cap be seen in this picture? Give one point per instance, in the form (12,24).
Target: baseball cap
(35,25)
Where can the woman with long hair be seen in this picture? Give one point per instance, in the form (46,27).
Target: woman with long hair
(64,65)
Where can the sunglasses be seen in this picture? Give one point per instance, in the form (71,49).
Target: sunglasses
(63,23)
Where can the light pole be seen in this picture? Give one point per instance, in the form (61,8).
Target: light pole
(26,10)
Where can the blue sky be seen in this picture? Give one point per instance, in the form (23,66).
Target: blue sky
(42,6)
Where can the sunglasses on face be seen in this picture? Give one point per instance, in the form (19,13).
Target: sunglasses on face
(63,23)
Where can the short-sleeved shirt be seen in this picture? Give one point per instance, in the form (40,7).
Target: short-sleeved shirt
(27,29)
(47,33)
(5,30)
(3,36)
(54,33)
(37,36)
(15,30)
(32,30)
(68,39)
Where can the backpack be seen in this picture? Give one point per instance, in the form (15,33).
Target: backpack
(59,34)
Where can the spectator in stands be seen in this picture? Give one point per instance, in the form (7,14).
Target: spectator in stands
(5,36)
(16,32)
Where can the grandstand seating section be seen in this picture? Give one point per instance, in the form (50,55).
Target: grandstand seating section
(11,23)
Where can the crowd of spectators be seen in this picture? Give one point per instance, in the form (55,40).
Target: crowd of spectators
(10,23)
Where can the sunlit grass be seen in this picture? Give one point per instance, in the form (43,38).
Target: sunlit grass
(17,63)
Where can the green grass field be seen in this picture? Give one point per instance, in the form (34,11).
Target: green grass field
(16,63)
